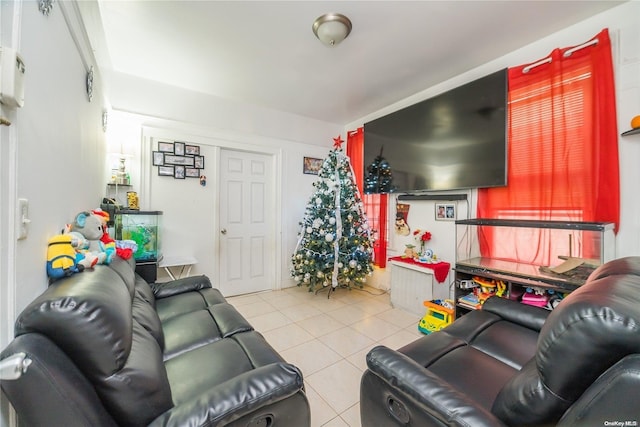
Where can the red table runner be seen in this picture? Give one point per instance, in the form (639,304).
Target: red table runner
(440,269)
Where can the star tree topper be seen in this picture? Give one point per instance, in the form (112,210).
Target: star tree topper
(337,142)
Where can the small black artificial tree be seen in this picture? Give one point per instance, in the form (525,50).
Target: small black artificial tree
(379,178)
(334,244)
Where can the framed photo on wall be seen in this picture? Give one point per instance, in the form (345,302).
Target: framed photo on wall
(192,173)
(192,150)
(158,158)
(178,148)
(165,147)
(311,165)
(198,162)
(178,172)
(445,212)
(165,170)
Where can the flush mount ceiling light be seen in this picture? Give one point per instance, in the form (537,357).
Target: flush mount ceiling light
(332,28)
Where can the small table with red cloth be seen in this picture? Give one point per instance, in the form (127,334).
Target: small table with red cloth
(412,283)
(440,269)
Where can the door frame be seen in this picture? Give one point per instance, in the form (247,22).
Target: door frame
(219,140)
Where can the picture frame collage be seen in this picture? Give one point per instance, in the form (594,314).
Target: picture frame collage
(178,159)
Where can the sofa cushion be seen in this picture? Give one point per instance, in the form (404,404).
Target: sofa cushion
(195,329)
(125,271)
(484,331)
(187,302)
(144,313)
(88,316)
(139,392)
(190,373)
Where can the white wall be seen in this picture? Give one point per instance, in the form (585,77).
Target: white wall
(60,141)
(623,23)
(59,148)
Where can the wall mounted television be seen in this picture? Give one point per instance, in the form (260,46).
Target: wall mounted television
(455,140)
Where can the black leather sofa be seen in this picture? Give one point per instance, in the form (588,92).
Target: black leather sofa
(515,365)
(105,348)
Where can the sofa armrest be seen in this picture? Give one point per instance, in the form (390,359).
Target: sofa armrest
(237,397)
(525,315)
(180,286)
(444,403)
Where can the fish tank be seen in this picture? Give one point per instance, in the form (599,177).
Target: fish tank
(143,227)
(558,252)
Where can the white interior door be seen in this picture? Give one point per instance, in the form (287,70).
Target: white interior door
(247,242)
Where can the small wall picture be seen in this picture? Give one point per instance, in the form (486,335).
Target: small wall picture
(178,148)
(198,162)
(445,212)
(178,172)
(192,173)
(192,150)
(311,165)
(165,147)
(158,158)
(165,170)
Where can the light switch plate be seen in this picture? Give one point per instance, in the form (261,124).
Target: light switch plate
(22,219)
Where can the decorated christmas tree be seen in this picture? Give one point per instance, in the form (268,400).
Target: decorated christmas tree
(334,244)
(379,178)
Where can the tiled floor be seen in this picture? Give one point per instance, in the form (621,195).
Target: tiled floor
(328,339)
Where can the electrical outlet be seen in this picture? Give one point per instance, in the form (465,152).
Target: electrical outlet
(22,219)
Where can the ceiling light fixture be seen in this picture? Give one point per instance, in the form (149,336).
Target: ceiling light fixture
(332,28)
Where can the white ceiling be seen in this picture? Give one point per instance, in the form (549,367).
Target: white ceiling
(264,52)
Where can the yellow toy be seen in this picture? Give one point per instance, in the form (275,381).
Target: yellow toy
(487,288)
(438,316)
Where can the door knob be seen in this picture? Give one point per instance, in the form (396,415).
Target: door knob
(223,231)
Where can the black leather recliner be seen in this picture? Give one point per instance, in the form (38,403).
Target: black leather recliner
(515,365)
(105,348)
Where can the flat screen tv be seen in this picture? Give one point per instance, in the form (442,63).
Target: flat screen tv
(455,140)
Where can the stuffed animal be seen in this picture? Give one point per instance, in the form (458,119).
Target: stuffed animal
(81,246)
(90,226)
(63,259)
(104,218)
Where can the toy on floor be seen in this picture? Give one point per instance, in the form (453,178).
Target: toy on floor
(439,314)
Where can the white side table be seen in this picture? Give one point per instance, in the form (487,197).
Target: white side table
(412,285)
(184,263)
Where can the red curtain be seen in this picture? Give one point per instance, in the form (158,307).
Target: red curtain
(562,151)
(375,204)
